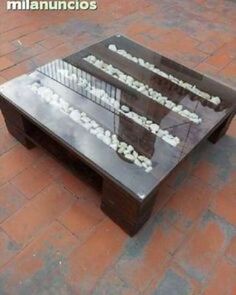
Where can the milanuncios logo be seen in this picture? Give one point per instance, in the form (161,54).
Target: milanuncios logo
(51,5)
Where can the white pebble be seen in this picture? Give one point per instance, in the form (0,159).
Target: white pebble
(154,127)
(75,115)
(125,108)
(112,47)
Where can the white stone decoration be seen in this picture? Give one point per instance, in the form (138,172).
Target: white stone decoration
(125,110)
(144,89)
(192,88)
(81,118)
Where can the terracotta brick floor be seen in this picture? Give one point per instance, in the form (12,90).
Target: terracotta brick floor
(54,239)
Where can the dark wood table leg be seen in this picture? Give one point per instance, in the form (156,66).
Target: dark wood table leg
(129,213)
(221,130)
(20,136)
(17,125)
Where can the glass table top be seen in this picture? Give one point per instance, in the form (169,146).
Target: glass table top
(142,139)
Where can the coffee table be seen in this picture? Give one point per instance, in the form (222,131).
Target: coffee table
(126,121)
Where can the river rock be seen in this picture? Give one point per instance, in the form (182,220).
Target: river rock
(112,47)
(75,115)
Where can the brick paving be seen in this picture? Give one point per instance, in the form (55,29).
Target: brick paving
(54,239)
